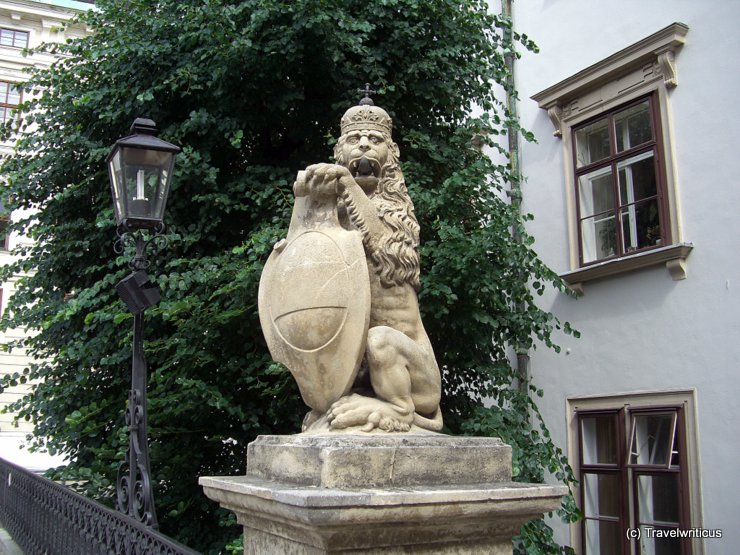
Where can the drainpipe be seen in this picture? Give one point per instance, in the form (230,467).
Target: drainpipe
(515,190)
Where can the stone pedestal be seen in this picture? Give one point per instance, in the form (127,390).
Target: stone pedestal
(380,493)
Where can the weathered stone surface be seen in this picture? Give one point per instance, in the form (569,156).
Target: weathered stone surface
(379,461)
(385,493)
(314,303)
(479,518)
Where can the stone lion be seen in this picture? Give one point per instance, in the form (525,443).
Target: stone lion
(398,386)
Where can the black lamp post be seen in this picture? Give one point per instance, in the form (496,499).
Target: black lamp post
(140,170)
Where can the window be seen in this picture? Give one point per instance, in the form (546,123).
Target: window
(14,38)
(657,479)
(620,181)
(602,483)
(4,223)
(10,98)
(619,190)
(635,462)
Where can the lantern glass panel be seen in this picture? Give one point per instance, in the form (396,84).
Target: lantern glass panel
(142,181)
(116,180)
(147,180)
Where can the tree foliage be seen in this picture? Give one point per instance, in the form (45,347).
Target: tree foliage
(253,91)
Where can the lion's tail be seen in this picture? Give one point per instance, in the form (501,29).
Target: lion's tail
(433,424)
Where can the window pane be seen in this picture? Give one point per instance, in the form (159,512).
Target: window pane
(596,196)
(595,192)
(658,546)
(652,438)
(592,143)
(4,222)
(599,439)
(640,226)
(601,495)
(603,538)
(598,237)
(633,126)
(657,498)
(14,95)
(20,39)
(637,178)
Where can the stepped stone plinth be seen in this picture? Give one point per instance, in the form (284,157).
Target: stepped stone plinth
(380,493)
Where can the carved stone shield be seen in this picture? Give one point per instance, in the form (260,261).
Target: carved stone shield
(314,304)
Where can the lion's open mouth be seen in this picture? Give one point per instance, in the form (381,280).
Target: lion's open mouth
(364,167)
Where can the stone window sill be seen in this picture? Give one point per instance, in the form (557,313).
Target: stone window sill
(674,257)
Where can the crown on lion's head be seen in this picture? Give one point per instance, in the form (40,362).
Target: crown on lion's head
(366,116)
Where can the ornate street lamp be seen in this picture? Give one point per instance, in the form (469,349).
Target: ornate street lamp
(140,170)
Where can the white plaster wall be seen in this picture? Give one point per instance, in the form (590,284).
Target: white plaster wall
(642,330)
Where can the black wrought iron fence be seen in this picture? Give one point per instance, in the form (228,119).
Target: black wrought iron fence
(46,518)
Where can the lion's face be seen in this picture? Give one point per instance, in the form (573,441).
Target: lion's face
(365,152)
(368,145)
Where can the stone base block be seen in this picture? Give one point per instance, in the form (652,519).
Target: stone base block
(379,460)
(385,493)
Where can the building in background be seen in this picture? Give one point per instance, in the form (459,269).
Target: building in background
(634,187)
(23,24)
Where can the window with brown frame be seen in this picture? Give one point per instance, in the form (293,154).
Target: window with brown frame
(602,482)
(10,98)
(13,37)
(4,223)
(619,182)
(633,476)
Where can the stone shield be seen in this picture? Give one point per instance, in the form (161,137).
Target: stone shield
(314,306)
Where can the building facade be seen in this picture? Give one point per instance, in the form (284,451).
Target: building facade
(23,24)
(633,187)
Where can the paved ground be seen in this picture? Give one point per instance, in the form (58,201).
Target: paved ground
(7,545)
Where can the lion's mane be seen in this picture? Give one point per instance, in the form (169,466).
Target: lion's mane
(397,258)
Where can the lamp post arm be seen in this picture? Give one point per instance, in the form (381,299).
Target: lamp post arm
(126,237)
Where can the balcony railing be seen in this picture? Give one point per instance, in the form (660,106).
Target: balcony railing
(46,518)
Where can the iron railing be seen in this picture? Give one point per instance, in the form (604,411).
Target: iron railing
(46,518)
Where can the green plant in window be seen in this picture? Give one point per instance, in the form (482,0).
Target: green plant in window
(608,238)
